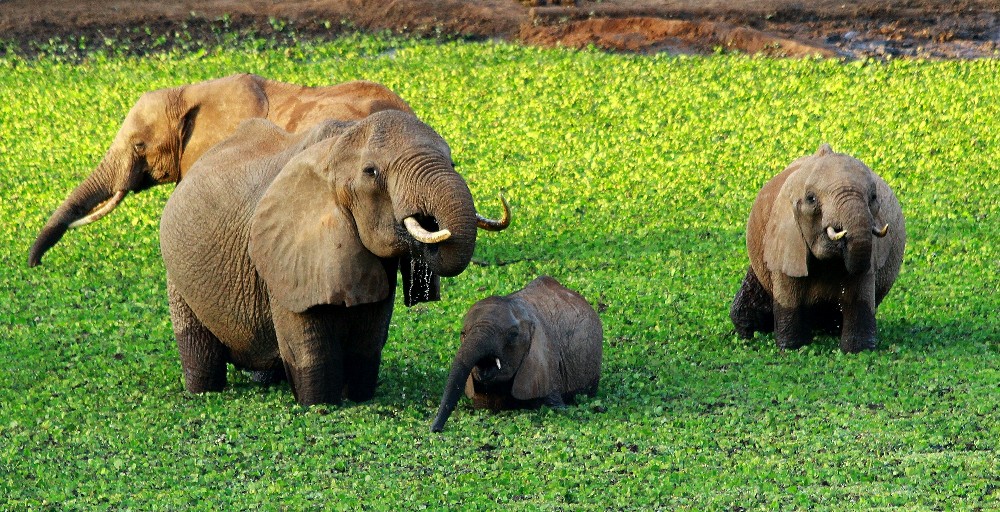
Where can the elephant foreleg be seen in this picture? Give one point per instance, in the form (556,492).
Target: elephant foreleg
(203,356)
(312,356)
(791,327)
(368,329)
(858,332)
(751,310)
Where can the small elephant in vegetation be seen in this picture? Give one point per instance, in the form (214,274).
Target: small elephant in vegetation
(169,129)
(825,239)
(538,346)
(282,249)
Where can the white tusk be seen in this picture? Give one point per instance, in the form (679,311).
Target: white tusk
(422,235)
(498,363)
(101,210)
(835,235)
(881,232)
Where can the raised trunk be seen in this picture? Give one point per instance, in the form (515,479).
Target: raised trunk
(99,187)
(448,204)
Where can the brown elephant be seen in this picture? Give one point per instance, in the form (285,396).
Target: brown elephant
(538,346)
(282,249)
(167,130)
(826,239)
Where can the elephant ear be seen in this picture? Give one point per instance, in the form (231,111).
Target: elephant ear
(305,245)
(539,372)
(210,110)
(785,248)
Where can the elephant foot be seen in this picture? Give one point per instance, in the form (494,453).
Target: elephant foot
(751,310)
(859,331)
(197,380)
(791,344)
(853,346)
(313,386)
(362,378)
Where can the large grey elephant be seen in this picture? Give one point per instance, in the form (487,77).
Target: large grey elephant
(282,249)
(538,346)
(167,130)
(826,239)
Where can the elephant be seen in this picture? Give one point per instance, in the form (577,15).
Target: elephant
(825,239)
(281,250)
(538,346)
(167,130)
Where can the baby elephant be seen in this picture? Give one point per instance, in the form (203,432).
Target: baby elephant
(538,346)
(825,238)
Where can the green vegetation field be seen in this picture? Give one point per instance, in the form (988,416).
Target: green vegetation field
(630,178)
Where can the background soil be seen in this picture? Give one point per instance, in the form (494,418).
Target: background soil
(849,28)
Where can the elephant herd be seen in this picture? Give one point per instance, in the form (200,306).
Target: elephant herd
(295,207)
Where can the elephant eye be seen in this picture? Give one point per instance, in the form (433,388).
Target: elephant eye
(370,170)
(811,198)
(139,147)
(511,336)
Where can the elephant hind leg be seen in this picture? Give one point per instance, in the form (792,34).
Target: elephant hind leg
(752,307)
(203,356)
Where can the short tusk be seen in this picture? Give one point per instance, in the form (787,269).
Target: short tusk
(422,235)
(101,210)
(835,235)
(495,225)
(498,364)
(881,232)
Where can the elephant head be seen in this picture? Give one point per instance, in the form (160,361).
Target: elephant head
(539,345)
(828,208)
(162,135)
(167,130)
(384,189)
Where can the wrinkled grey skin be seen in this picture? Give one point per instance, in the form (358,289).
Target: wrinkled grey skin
(281,250)
(167,130)
(819,258)
(538,346)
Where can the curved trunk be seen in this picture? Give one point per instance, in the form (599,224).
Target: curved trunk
(97,190)
(448,204)
(461,367)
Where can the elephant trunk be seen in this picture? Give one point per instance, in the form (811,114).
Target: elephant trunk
(468,355)
(858,249)
(89,201)
(446,207)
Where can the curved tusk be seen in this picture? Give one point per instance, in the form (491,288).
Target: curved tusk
(101,210)
(422,235)
(498,364)
(835,235)
(495,225)
(881,232)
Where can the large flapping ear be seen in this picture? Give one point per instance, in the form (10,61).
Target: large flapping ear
(785,249)
(419,283)
(305,245)
(210,111)
(539,372)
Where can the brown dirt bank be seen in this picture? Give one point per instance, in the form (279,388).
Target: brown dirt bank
(850,28)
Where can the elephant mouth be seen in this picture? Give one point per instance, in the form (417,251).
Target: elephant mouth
(425,230)
(487,369)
